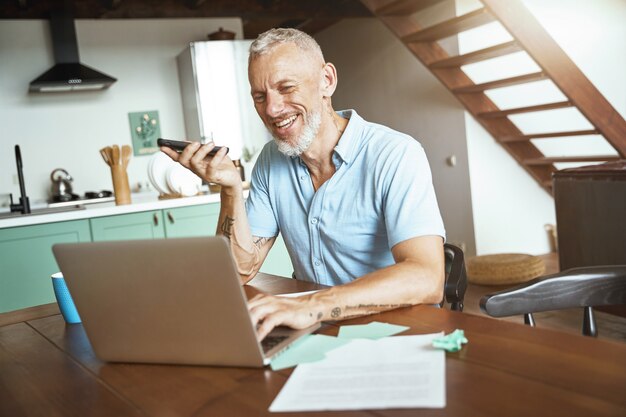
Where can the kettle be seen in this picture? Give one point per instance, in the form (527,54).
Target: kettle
(61,185)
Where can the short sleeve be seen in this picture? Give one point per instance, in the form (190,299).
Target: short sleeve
(261,217)
(409,201)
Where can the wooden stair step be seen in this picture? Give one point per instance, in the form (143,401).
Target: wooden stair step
(546,52)
(451,27)
(528,109)
(559,159)
(524,138)
(404,7)
(477,56)
(505,82)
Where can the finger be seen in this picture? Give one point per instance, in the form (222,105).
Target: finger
(202,153)
(219,157)
(260,312)
(187,153)
(169,152)
(256,298)
(267,326)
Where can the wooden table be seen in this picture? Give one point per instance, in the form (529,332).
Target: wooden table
(48,369)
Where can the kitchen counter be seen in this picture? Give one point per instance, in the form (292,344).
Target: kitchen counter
(140,202)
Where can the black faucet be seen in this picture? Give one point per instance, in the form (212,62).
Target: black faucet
(24,205)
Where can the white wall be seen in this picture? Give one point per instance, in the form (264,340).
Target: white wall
(386,84)
(510,209)
(67,130)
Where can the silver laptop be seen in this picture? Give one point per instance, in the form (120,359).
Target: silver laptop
(175,301)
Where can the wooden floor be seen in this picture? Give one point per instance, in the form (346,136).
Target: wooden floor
(609,326)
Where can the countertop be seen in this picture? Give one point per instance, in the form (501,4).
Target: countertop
(140,202)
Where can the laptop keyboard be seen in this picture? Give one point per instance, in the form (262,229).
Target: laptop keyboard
(271,341)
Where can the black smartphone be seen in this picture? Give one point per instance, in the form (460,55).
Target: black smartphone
(179,145)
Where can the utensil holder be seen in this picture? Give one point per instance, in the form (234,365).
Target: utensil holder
(121,188)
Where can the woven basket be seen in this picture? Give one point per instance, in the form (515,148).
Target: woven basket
(504,268)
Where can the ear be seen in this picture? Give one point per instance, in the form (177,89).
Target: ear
(329,80)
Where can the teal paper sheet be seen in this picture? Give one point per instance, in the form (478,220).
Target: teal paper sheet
(313,348)
(310,348)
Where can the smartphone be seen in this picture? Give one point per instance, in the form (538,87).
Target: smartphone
(179,145)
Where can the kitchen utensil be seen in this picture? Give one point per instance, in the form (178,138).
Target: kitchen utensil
(120,184)
(118,161)
(157,171)
(116,155)
(182,181)
(61,188)
(127,152)
(105,156)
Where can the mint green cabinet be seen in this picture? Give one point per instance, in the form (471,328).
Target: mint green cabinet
(26,261)
(277,261)
(191,221)
(143,225)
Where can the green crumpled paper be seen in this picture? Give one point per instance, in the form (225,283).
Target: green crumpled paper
(452,342)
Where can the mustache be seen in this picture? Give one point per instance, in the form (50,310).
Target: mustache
(281,117)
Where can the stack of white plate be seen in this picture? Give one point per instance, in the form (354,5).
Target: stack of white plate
(169,177)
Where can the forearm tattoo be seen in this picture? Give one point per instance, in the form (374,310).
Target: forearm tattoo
(260,241)
(377,306)
(227,226)
(362,310)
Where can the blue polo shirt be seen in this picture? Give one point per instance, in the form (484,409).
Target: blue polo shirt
(380,195)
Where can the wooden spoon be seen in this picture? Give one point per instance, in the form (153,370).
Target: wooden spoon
(116,155)
(127,152)
(105,155)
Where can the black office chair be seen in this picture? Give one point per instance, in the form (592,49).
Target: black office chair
(585,287)
(456,278)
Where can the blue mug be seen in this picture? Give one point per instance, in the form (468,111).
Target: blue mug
(64,299)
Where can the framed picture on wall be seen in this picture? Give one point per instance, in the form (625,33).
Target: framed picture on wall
(145,129)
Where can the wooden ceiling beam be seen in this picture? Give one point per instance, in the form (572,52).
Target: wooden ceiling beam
(145,9)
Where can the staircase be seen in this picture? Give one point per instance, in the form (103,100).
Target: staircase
(528,35)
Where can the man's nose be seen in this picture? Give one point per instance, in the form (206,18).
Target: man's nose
(274,104)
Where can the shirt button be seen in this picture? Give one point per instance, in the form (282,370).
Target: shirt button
(317,263)
(313,221)
(303,177)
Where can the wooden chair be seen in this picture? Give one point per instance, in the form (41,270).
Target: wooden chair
(585,287)
(456,278)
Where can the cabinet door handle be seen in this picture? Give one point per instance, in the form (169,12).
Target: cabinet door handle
(170,217)
(156,219)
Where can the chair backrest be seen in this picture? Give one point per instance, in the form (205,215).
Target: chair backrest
(456,278)
(577,287)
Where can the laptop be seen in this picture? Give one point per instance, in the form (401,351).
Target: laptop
(170,301)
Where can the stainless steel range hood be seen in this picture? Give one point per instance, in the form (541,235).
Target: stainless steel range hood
(68,74)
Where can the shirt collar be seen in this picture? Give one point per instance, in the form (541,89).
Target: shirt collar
(349,140)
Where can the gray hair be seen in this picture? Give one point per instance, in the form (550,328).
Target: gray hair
(272,38)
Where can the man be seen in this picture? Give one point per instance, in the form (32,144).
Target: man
(353,200)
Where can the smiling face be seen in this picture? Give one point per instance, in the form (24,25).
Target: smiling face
(286,88)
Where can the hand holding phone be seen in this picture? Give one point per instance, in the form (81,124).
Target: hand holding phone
(179,145)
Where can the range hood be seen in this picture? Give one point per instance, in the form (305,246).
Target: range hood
(68,74)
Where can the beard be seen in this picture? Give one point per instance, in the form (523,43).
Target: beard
(302,142)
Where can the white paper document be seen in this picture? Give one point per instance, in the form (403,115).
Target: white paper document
(393,372)
(296,294)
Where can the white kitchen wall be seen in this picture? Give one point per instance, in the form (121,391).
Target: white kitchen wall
(67,129)
(386,84)
(510,209)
